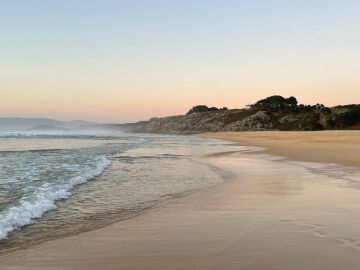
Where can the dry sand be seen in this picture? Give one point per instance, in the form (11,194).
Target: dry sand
(270,217)
(342,147)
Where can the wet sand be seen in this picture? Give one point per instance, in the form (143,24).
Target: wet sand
(275,214)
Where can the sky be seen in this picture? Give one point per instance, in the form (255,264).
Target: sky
(122,61)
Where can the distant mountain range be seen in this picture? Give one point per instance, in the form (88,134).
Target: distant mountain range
(22,124)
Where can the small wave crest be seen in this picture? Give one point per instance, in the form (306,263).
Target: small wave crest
(44,199)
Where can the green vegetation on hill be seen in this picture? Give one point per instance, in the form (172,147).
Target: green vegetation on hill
(275,103)
(271,113)
(204,108)
(349,117)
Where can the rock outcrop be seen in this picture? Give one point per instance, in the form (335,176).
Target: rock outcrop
(257,121)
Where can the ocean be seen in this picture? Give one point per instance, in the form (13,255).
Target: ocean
(57,185)
(54,185)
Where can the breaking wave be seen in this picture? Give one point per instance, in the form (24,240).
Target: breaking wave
(44,199)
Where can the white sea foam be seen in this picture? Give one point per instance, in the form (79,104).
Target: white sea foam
(43,200)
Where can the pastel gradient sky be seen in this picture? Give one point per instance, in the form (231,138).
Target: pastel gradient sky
(118,61)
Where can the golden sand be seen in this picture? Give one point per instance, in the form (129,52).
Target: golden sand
(342,147)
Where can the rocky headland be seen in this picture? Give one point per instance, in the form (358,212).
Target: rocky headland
(271,113)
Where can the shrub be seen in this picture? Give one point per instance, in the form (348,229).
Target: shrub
(348,118)
(201,108)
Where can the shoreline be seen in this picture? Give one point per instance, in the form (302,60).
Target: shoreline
(340,146)
(263,219)
(11,248)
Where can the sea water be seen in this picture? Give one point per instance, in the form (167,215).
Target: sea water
(54,185)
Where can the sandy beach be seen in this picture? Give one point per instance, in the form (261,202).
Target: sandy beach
(180,135)
(274,214)
(341,147)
